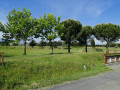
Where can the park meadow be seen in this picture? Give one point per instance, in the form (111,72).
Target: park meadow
(31,68)
(39,68)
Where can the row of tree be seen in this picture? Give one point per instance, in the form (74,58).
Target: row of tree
(22,26)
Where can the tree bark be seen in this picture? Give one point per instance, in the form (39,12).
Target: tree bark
(51,44)
(52,47)
(69,47)
(25,47)
(86,46)
(107,42)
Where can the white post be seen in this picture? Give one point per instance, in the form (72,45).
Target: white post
(115,59)
(110,60)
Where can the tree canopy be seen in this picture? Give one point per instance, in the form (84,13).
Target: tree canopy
(70,31)
(32,43)
(84,35)
(20,25)
(107,32)
(6,37)
(2,28)
(92,42)
(47,27)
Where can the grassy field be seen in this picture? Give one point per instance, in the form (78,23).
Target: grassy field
(39,68)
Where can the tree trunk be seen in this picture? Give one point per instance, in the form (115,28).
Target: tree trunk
(51,44)
(68,47)
(42,44)
(52,50)
(25,47)
(107,51)
(107,44)
(86,46)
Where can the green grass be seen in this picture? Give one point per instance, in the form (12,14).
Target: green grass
(39,68)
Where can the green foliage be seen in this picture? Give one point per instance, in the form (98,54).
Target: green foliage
(84,35)
(47,27)
(6,35)
(42,43)
(106,32)
(32,43)
(2,28)
(116,46)
(98,50)
(70,31)
(15,43)
(20,25)
(92,42)
(40,69)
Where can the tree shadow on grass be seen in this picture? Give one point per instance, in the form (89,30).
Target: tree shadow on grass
(6,64)
(59,53)
(8,56)
(55,53)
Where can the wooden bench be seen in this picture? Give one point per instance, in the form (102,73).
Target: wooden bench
(111,56)
(1,58)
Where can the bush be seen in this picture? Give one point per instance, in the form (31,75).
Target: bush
(99,50)
(92,42)
(32,43)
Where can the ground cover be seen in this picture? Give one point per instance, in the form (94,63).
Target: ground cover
(39,68)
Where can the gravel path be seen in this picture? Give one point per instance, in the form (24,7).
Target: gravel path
(107,81)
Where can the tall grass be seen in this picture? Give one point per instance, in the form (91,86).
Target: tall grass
(39,68)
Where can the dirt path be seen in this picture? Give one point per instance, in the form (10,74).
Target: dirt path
(106,81)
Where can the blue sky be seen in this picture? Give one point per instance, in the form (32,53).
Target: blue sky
(88,12)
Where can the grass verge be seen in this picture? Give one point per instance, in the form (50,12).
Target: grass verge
(40,69)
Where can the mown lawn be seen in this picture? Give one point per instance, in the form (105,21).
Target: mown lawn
(39,68)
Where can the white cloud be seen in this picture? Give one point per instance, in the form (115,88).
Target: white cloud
(76,8)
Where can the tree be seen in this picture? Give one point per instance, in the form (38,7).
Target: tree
(106,32)
(92,42)
(6,37)
(70,31)
(47,28)
(32,43)
(42,42)
(15,43)
(20,25)
(2,28)
(85,34)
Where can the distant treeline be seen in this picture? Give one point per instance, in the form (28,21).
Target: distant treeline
(21,26)
(57,43)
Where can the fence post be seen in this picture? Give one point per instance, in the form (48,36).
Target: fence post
(1,58)
(105,59)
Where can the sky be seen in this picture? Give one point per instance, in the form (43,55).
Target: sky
(88,12)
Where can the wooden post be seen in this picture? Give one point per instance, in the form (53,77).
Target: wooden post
(105,59)
(1,58)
